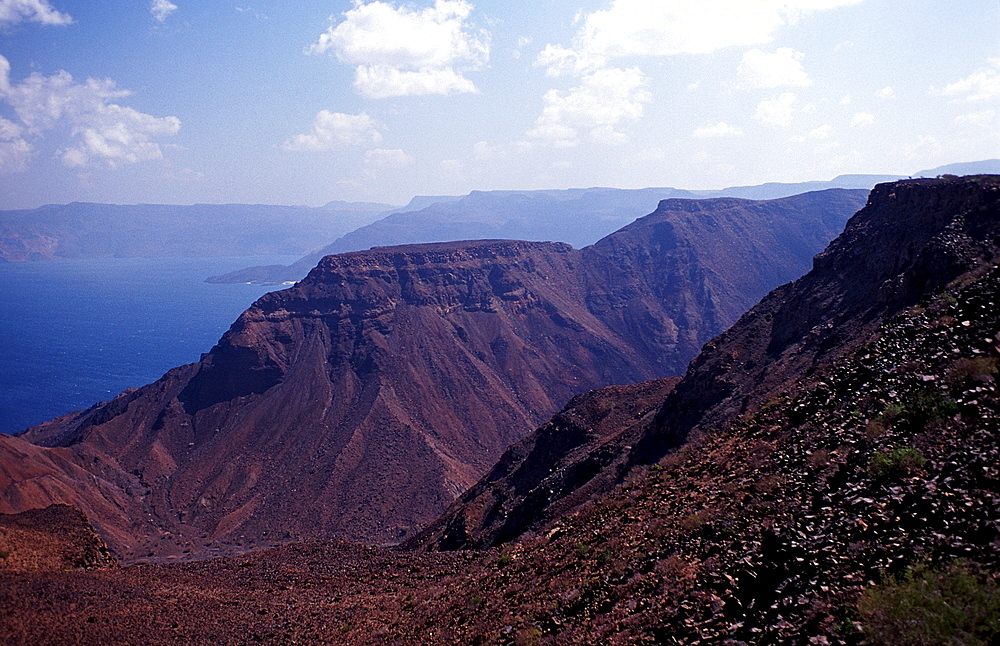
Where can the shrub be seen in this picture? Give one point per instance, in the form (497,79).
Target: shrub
(4,554)
(896,462)
(952,605)
(530,636)
(504,560)
(979,369)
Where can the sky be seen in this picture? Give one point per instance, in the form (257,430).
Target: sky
(269,101)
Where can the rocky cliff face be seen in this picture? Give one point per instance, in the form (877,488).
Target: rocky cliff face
(912,238)
(362,401)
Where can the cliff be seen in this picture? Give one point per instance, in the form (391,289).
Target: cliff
(911,239)
(364,400)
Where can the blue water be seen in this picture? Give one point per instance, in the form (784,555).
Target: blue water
(75,332)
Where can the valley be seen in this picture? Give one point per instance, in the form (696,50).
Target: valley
(837,433)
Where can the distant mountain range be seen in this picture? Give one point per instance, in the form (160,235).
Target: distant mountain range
(577,216)
(84,230)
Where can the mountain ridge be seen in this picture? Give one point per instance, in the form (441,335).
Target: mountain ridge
(385,383)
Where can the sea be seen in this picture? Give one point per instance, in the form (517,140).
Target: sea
(77,332)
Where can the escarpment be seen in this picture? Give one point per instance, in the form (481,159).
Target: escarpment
(911,240)
(362,401)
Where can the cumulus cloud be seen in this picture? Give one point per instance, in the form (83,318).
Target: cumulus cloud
(14,11)
(598,104)
(14,149)
(669,27)
(888,92)
(823,132)
(644,28)
(862,119)
(383,158)
(161,9)
(333,130)
(983,119)
(777,111)
(981,85)
(761,70)
(721,129)
(99,130)
(405,51)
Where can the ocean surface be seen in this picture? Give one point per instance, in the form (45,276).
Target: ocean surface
(76,332)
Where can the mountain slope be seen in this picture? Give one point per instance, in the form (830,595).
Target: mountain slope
(912,238)
(361,402)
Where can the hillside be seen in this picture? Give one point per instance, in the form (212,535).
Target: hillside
(363,401)
(911,239)
(57,537)
(793,499)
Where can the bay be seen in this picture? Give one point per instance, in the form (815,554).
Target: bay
(76,332)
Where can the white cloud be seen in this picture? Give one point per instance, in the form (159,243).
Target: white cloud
(631,28)
(558,60)
(14,149)
(888,92)
(777,111)
(927,146)
(161,9)
(761,70)
(332,130)
(452,170)
(482,151)
(845,100)
(862,119)
(13,11)
(823,132)
(983,119)
(407,51)
(721,129)
(382,158)
(981,85)
(100,131)
(600,102)
(669,27)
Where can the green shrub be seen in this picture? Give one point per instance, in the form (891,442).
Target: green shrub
(952,605)
(896,462)
(4,554)
(504,560)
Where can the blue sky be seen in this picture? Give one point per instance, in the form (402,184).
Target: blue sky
(184,101)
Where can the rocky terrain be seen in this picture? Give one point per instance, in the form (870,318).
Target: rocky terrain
(57,537)
(786,503)
(363,401)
